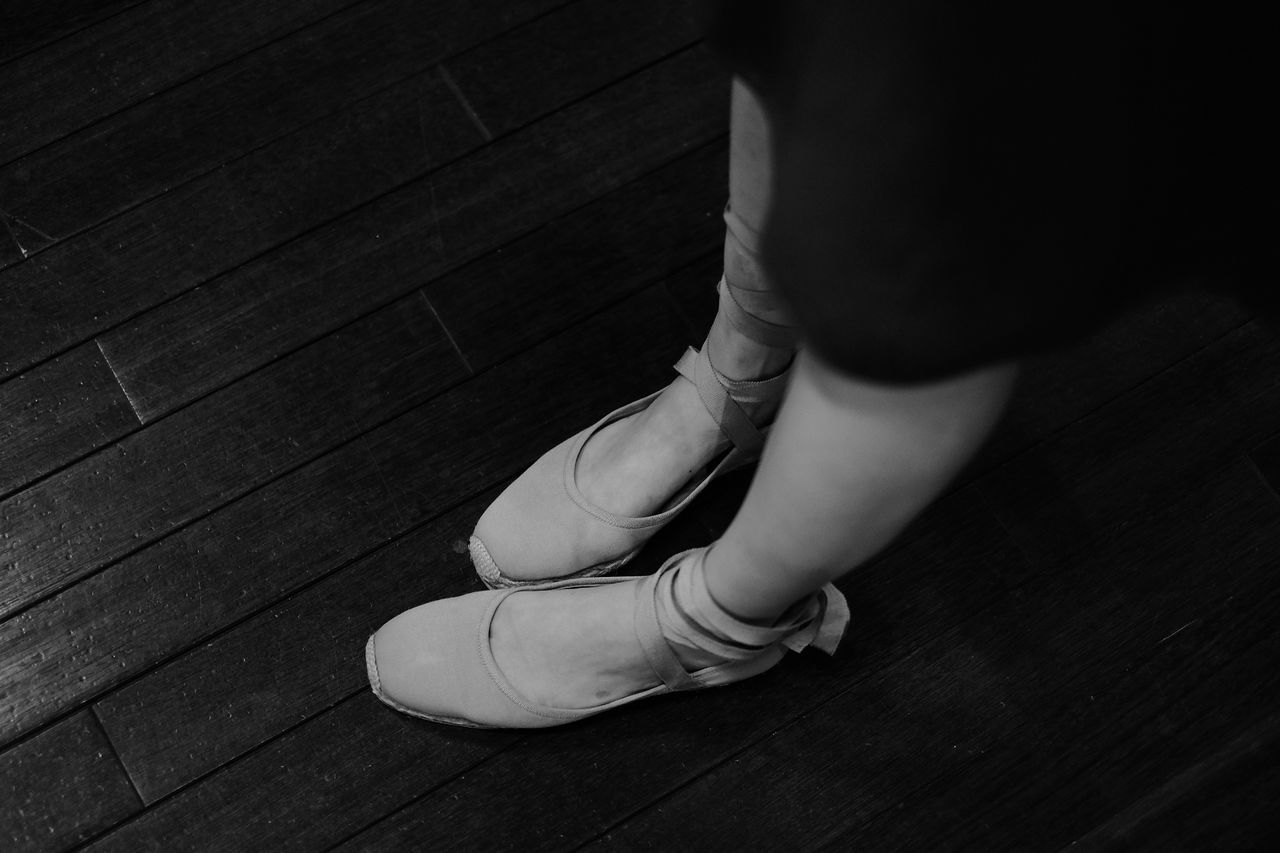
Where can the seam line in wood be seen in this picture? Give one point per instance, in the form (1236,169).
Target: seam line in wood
(462,99)
(447,333)
(115,752)
(132,405)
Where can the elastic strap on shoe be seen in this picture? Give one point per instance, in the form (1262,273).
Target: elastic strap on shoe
(717,394)
(745,295)
(688,616)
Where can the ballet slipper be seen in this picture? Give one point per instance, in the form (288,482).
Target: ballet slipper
(543,528)
(436,662)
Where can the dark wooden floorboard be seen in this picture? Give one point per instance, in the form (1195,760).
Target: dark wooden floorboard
(126,58)
(57,412)
(1226,802)
(572,266)
(305,803)
(562,56)
(31,24)
(440,221)
(358,262)
(212,119)
(207,226)
(62,786)
(288,291)
(70,525)
(19,239)
(134,492)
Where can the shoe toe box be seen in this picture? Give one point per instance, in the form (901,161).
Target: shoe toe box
(533,530)
(425,662)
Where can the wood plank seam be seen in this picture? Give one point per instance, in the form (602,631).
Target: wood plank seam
(115,753)
(91,700)
(409,802)
(462,99)
(144,544)
(448,334)
(447,77)
(149,807)
(9,220)
(373,309)
(132,405)
(69,34)
(217,166)
(371,202)
(263,143)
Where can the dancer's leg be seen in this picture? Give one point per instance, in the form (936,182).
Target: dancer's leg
(634,466)
(848,465)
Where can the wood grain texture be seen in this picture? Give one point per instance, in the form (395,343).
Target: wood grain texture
(56,413)
(131,156)
(535,68)
(422,230)
(1226,802)
(207,226)
(134,492)
(555,166)
(578,263)
(109,628)
(313,786)
(62,786)
(122,60)
(30,24)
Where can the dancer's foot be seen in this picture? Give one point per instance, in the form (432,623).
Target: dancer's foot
(577,647)
(634,466)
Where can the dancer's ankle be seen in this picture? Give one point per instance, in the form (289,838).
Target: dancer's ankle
(739,357)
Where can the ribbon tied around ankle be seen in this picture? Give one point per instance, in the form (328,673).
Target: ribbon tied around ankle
(690,617)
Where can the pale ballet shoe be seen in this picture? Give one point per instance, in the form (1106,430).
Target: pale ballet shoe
(436,662)
(543,528)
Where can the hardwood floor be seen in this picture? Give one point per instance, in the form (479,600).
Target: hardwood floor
(290,290)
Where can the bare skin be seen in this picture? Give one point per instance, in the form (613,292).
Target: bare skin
(849,464)
(634,466)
